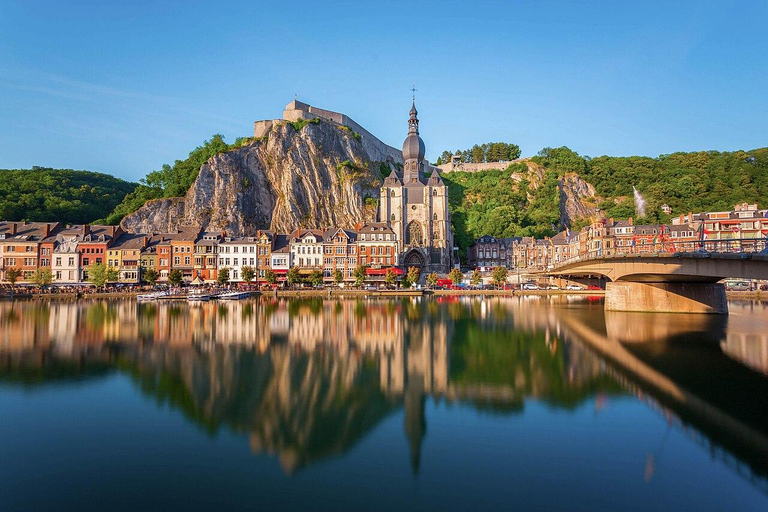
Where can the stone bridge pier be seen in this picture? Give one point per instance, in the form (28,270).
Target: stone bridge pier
(666,297)
(668,283)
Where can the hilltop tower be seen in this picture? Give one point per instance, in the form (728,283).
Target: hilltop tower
(416,207)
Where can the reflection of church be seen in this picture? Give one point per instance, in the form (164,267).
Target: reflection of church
(416,207)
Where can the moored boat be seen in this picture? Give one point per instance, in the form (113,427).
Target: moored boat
(233,295)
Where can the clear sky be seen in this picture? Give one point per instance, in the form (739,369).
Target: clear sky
(123,87)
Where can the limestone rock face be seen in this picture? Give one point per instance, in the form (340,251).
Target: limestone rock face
(316,177)
(577,199)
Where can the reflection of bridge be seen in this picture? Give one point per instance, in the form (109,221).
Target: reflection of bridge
(682,282)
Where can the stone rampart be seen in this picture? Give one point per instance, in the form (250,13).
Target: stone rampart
(376,149)
(485,166)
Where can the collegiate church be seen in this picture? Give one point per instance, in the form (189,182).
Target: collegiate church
(416,208)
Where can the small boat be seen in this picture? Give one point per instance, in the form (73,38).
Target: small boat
(195,297)
(153,295)
(233,295)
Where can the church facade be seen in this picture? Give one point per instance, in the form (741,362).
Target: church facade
(416,208)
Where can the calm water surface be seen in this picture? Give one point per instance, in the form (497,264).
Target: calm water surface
(381,404)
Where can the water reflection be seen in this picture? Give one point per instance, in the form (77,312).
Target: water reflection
(307,379)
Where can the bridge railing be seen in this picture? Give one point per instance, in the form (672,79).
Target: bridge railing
(723,246)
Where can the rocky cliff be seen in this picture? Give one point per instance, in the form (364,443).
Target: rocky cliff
(577,199)
(311,175)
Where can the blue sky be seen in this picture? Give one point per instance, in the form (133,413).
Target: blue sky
(125,88)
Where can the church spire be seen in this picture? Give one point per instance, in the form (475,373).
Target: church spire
(413,120)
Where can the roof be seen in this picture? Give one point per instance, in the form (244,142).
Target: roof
(281,244)
(330,233)
(300,234)
(99,234)
(376,227)
(28,231)
(487,239)
(239,240)
(186,234)
(648,229)
(129,241)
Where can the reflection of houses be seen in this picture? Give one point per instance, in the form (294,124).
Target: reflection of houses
(744,341)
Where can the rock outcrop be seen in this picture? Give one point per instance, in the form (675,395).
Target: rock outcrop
(317,176)
(577,199)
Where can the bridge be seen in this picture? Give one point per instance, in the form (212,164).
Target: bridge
(663,281)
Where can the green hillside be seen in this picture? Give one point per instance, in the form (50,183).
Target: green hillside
(492,202)
(70,197)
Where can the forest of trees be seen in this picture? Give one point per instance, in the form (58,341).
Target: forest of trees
(479,153)
(171,180)
(64,195)
(492,203)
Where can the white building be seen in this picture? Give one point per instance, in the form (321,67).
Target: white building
(65,264)
(236,253)
(307,249)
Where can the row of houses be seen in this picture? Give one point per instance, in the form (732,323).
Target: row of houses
(68,251)
(745,226)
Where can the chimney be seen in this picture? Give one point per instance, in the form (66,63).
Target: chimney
(631,221)
(46,229)
(86,229)
(13,229)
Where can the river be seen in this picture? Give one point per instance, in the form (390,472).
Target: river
(534,403)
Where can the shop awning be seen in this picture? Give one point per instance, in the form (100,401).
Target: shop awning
(383,271)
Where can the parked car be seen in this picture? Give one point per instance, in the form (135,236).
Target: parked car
(593,287)
(530,286)
(573,287)
(553,287)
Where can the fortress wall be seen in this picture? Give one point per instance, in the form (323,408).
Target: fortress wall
(485,166)
(377,150)
(262,127)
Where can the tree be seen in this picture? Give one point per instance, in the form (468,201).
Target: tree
(476,278)
(223,276)
(99,274)
(248,274)
(150,276)
(293,276)
(455,276)
(175,277)
(499,276)
(390,277)
(42,277)
(12,275)
(270,277)
(359,275)
(413,275)
(478,155)
(338,277)
(316,278)
(432,279)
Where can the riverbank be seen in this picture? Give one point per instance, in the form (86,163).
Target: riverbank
(335,292)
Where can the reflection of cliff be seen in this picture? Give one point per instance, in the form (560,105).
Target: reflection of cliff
(302,406)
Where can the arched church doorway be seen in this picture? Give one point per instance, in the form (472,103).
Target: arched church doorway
(414,259)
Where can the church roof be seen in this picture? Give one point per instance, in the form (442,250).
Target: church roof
(413,146)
